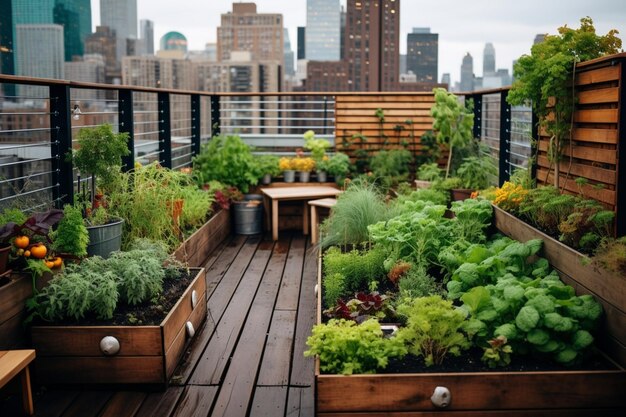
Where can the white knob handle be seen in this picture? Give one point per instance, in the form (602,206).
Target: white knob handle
(109,346)
(441,397)
(190,330)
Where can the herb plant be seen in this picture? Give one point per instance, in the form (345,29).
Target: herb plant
(71,235)
(347,348)
(317,146)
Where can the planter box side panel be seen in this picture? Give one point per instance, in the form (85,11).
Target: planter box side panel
(472,391)
(609,289)
(197,248)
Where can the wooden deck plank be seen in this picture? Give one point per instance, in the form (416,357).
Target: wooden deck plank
(195,402)
(301,402)
(87,404)
(53,403)
(123,404)
(302,372)
(211,366)
(219,270)
(160,404)
(237,388)
(275,367)
(290,286)
(269,401)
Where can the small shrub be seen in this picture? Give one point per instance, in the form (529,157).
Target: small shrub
(417,283)
(71,235)
(359,268)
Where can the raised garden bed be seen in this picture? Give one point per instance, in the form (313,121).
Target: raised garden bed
(561,392)
(197,247)
(148,354)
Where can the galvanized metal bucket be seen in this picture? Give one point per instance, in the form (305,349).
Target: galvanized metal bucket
(248,215)
(105,238)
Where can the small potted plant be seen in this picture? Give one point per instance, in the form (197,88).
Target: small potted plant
(71,236)
(268,168)
(426,174)
(316,146)
(337,165)
(287,166)
(304,166)
(100,154)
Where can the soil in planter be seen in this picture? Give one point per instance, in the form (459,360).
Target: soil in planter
(139,315)
(470,361)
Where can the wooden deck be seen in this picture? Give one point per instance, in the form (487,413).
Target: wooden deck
(246,360)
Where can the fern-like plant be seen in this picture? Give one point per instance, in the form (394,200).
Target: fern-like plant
(71,235)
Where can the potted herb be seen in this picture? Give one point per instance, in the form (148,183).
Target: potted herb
(427,174)
(476,172)
(287,165)
(544,78)
(337,166)
(304,166)
(268,168)
(99,154)
(71,236)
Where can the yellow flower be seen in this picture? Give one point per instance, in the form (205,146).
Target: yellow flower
(286,164)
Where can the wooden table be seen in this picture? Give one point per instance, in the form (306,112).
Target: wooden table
(323,202)
(275,195)
(13,363)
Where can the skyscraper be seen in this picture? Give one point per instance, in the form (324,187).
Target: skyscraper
(120,16)
(146,34)
(423,54)
(104,42)
(289,66)
(301,43)
(174,41)
(323,26)
(75,17)
(244,29)
(39,53)
(6,42)
(489,60)
(372,44)
(467,73)
(445,79)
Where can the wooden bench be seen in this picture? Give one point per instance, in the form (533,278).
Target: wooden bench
(322,202)
(12,363)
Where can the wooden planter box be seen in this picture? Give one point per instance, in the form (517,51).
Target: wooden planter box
(554,393)
(147,355)
(197,248)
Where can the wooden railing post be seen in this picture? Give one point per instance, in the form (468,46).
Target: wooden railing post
(215,115)
(126,125)
(620,215)
(196,125)
(165,130)
(504,173)
(61,145)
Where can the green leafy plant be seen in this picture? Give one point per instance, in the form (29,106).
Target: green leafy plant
(358,207)
(227,159)
(268,164)
(498,353)
(433,329)
(477,172)
(391,166)
(347,348)
(351,271)
(71,234)
(317,146)
(418,283)
(545,79)
(100,153)
(453,123)
(337,165)
(429,172)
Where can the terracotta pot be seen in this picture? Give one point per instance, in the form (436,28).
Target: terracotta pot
(460,194)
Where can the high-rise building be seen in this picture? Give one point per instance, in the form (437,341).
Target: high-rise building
(244,29)
(489,60)
(174,41)
(423,54)
(372,44)
(445,79)
(301,43)
(289,65)
(104,42)
(120,16)
(402,64)
(7,55)
(146,34)
(75,17)
(152,71)
(323,25)
(342,33)
(467,73)
(39,53)
(33,12)
(90,69)
(539,38)
(326,76)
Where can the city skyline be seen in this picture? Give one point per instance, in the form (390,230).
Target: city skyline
(510,26)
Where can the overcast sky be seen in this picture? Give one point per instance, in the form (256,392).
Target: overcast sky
(463,25)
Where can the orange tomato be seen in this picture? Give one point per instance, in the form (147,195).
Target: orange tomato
(21,242)
(50,264)
(58,261)
(27,254)
(39,251)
